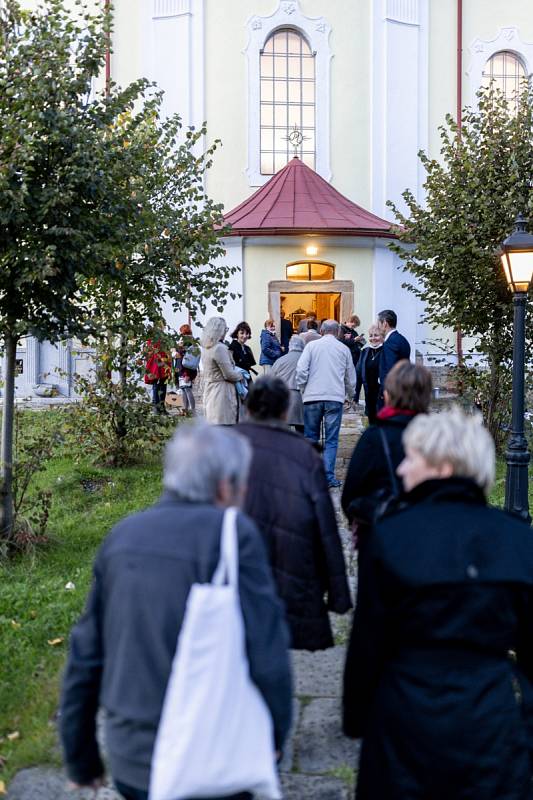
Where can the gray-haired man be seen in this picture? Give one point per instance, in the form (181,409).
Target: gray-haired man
(326,375)
(122,648)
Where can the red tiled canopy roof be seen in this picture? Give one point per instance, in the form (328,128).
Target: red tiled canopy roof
(296,200)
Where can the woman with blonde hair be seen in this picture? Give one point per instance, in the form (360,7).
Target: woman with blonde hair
(439,672)
(221,405)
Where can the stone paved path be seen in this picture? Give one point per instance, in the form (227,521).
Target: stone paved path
(319,762)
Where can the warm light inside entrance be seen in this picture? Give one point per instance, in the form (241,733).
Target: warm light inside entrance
(310,271)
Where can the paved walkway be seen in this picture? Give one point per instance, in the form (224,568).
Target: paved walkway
(319,762)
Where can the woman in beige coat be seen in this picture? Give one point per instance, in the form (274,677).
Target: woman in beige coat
(221,405)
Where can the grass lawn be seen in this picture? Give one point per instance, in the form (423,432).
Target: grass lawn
(37,611)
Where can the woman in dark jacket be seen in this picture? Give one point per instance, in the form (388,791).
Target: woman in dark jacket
(288,499)
(270,346)
(367,371)
(370,477)
(242,353)
(439,670)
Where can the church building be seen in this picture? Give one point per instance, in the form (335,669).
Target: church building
(322,108)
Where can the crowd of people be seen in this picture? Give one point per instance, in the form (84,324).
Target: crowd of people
(438,676)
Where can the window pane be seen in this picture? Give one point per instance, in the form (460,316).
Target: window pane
(280,42)
(308,116)
(267,66)
(308,67)
(294,68)
(280,117)
(280,66)
(308,92)
(280,140)
(294,92)
(280,160)
(306,50)
(269,46)
(266,91)
(309,141)
(267,164)
(280,89)
(295,116)
(267,115)
(294,40)
(322,272)
(298,272)
(267,139)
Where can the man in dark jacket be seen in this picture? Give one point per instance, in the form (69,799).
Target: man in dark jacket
(121,650)
(287,496)
(395,347)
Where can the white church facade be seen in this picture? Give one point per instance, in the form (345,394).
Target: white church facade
(366,83)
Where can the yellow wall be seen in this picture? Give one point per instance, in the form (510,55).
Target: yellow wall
(482,19)
(227,93)
(265,263)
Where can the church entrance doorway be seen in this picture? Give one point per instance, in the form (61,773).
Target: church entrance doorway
(328,299)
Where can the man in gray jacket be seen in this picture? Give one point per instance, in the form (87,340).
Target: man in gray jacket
(122,648)
(326,376)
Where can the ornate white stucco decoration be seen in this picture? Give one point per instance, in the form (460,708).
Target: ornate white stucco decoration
(170,8)
(482,49)
(405,11)
(316,30)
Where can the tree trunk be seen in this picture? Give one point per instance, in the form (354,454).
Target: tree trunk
(493,417)
(122,428)
(6,449)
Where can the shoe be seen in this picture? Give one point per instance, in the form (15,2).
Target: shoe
(334,484)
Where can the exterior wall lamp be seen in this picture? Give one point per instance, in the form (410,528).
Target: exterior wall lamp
(517,260)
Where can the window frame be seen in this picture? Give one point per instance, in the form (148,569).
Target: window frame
(482,50)
(286,70)
(315,30)
(310,262)
(487,77)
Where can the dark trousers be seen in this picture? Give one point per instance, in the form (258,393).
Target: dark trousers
(159,392)
(129,793)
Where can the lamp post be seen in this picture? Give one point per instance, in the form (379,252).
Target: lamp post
(517,260)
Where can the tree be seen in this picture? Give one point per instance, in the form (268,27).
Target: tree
(171,250)
(472,196)
(63,213)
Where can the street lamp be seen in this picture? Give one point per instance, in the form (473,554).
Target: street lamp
(517,260)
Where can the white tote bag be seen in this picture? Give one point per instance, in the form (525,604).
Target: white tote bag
(215,736)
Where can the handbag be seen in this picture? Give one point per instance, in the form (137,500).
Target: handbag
(190,360)
(365,512)
(215,735)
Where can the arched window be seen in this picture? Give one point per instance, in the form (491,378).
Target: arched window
(287,70)
(310,271)
(506,72)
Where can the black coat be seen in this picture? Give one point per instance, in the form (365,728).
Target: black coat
(289,500)
(367,372)
(395,349)
(368,472)
(445,593)
(242,355)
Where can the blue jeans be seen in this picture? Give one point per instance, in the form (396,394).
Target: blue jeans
(331,413)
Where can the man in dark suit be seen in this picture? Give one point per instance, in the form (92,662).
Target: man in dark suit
(285,331)
(395,347)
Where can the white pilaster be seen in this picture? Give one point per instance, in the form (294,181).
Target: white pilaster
(173,43)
